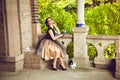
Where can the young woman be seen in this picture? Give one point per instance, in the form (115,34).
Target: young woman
(49,48)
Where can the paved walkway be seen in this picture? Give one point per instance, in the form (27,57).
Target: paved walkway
(46,74)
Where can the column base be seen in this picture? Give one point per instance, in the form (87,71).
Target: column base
(81,62)
(11,64)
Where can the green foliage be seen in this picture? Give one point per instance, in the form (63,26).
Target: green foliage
(64,20)
(92,53)
(88,1)
(69,50)
(110,51)
(103,19)
(72,8)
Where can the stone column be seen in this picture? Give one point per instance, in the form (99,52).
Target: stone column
(11,58)
(80,14)
(80,32)
(24,10)
(36,30)
(80,47)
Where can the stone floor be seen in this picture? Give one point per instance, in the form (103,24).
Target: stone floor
(70,74)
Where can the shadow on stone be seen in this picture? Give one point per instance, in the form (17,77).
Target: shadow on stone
(112,66)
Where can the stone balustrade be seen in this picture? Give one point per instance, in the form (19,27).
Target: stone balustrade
(100,61)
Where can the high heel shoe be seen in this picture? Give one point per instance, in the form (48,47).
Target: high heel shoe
(52,68)
(55,69)
(64,69)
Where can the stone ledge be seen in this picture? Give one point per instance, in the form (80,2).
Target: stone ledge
(33,61)
(11,59)
(12,64)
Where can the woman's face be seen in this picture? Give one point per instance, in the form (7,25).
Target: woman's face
(50,21)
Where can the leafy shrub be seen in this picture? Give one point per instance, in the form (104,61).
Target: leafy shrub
(64,20)
(92,53)
(69,50)
(103,19)
(109,52)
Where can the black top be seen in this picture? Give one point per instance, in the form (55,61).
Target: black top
(48,35)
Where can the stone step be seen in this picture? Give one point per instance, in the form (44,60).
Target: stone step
(34,61)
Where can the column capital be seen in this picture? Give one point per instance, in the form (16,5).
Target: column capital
(80,30)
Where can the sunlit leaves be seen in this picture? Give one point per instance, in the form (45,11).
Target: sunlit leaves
(64,20)
(105,19)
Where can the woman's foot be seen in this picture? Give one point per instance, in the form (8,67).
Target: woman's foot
(53,68)
(64,69)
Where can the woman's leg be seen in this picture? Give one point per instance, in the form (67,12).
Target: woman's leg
(55,63)
(62,63)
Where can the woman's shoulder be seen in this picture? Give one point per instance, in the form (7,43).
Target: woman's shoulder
(49,28)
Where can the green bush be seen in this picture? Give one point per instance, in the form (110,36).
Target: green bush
(64,20)
(103,19)
(109,52)
(92,53)
(69,50)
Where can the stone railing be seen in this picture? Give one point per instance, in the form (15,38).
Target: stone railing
(104,41)
(100,61)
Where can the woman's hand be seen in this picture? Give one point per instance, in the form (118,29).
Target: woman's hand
(54,24)
(57,29)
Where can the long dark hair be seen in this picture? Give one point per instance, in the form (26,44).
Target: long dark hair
(46,21)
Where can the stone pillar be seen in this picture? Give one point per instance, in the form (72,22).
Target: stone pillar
(117,45)
(80,14)
(80,46)
(11,58)
(80,32)
(25,23)
(36,30)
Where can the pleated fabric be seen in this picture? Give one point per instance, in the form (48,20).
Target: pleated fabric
(48,50)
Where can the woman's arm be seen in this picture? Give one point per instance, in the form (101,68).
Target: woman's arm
(57,29)
(54,37)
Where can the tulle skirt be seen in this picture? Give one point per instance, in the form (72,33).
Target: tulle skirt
(49,49)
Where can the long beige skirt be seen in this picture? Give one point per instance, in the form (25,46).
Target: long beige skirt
(48,50)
